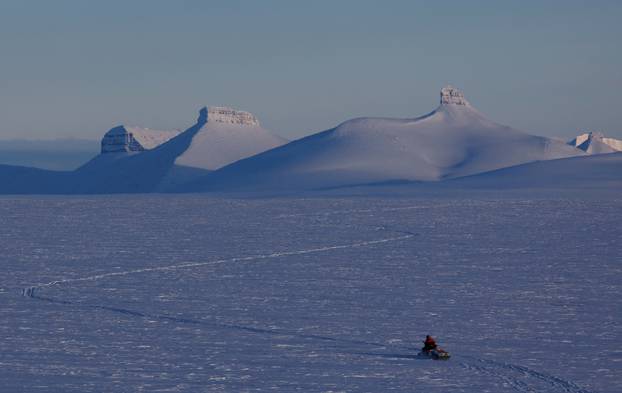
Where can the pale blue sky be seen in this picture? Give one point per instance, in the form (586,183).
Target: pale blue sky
(78,68)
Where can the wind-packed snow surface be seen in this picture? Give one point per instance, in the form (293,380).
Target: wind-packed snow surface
(195,294)
(454,140)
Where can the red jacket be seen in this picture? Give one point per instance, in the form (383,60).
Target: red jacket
(430,343)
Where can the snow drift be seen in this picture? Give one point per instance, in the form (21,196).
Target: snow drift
(452,141)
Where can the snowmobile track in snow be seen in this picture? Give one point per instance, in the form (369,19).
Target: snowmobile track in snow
(515,376)
(33,291)
(30,291)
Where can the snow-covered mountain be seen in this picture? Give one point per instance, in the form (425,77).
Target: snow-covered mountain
(216,154)
(227,136)
(596,143)
(137,160)
(593,173)
(453,140)
(220,136)
(127,139)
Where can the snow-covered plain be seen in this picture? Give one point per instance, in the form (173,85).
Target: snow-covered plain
(193,293)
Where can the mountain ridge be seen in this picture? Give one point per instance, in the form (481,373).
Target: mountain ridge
(454,141)
(451,141)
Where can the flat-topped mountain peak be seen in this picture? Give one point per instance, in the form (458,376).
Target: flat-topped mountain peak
(452,96)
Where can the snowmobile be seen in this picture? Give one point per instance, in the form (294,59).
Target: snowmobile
(436,354)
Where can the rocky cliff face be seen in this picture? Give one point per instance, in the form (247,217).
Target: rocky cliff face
(452,96)
(230,116)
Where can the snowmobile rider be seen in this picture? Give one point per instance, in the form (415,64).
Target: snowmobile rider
(429,344)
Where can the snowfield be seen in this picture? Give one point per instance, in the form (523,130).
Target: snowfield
(187,293)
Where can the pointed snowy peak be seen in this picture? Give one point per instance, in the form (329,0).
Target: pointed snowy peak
(452,96)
